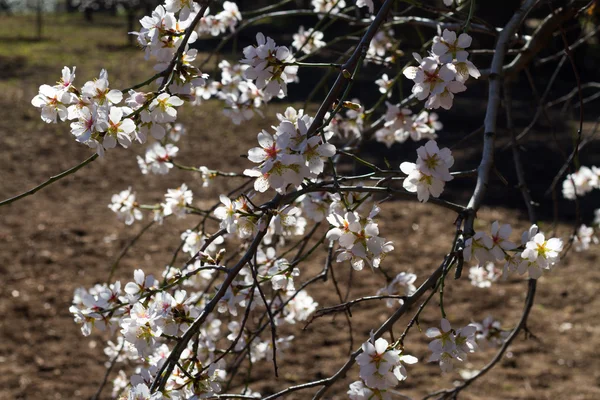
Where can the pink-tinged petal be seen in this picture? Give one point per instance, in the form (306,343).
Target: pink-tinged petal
(381,345)
(432,332)
(449,36)
(412,72)
(265,139)
(439,48)
(461,56)
(357,263)
(408,167)
(48,91)
(38,101)
(464,40)
(473,71)
(495,227)
(347,240)
(175,101)
(445,324)
(555,244)
(109,142)
(282,53)
(505,231)
(114,96)
(334,234)
(408,359)
(447,72)
(326,150)
(261,184)
(456,87)
(539,239)
(127,125)
(343,256)
(257,155)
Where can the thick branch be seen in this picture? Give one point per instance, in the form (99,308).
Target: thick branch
(487,158)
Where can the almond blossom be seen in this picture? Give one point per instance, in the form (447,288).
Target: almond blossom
(158,159)
(429,175)
(53,103)
(162,108)
(450,344)
(177,200)
(308,40)
(540,254)
(380,366)
(125,206)
(270,66)
(430,77)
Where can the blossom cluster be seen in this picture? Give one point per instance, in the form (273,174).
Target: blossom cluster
(289,156)
(451,344)
(428,176)
(358,237)
(381,368)
(271,66)
(144,314)
(308,40)
(581,182)
(535,253)
(261,76)
(401,124)
(443,73)
(401,285)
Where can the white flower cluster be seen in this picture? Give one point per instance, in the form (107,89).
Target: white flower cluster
(401,285)
(308,40)
(442,74)
(583,238)
(263,74)
(270,66)
(217,24)
(324,6)
(289,156)
(401,124)
(159,155)
(125,206)
(241,96)
(535,253)
(581,182)
(431,172)
(146,316)
(99,122)
(177,202)
(358,237)
(490,333)
(381,368)
(483,277)
(383,49)
(348,127)
(451,344)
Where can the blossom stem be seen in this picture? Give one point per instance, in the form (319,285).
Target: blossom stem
(49,181)
(471,11)
(315,65)
(263,10)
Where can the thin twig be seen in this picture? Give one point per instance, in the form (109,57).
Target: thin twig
(49,181)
